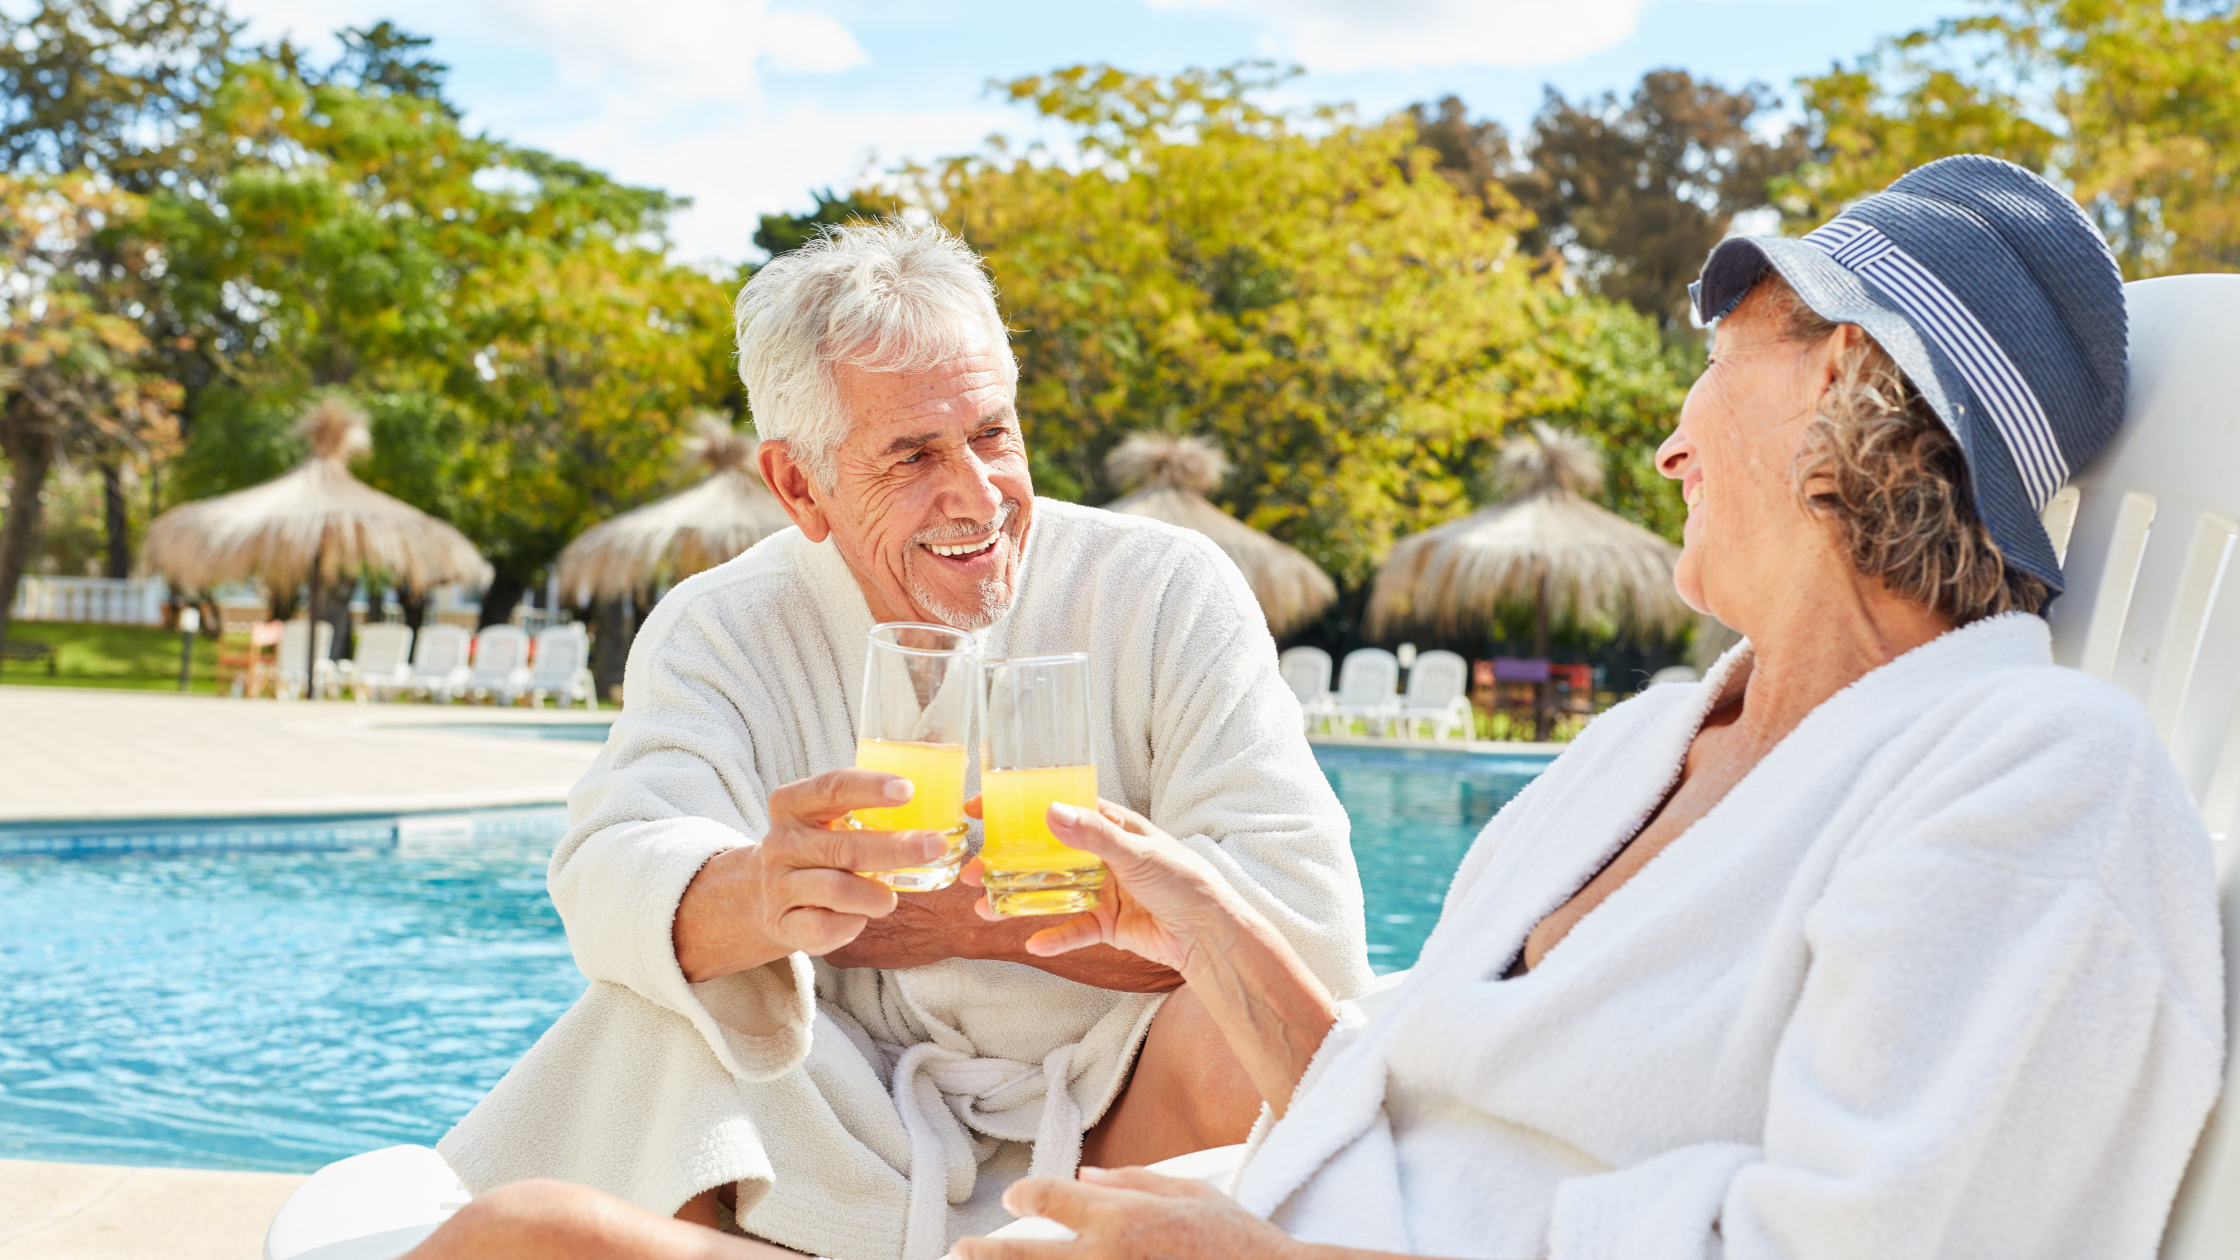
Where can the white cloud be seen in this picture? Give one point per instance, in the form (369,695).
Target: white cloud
(1346,35)
(705,49)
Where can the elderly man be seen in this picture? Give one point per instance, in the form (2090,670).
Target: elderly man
(766,1033)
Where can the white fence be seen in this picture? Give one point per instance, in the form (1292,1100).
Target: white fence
(110,601)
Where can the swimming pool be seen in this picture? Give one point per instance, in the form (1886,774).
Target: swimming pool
(196,1004)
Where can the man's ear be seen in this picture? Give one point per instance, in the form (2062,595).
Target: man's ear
(795,488)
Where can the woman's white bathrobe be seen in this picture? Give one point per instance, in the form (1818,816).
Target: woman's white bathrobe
(1940,977)
(884,1118)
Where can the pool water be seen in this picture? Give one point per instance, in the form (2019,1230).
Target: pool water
(280,1010)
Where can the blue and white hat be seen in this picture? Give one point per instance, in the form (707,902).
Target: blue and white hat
(2000,302)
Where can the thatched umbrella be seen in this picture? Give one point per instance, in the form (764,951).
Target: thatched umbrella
(1170,477)
(1547,544)
(726,513)
(309,525)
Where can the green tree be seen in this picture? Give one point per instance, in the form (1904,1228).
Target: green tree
(2134,105)
(1307,291)
(780,233)
(68,367)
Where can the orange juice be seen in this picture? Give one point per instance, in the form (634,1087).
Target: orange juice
(1028,870)
(937,771)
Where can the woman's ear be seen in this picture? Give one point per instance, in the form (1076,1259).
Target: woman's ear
(795,488)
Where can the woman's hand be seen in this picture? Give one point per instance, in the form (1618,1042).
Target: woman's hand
(1161,901)
(1127,1212)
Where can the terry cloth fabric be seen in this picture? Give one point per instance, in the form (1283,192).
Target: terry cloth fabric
(1998,299)
(874,1114)
(1941,977)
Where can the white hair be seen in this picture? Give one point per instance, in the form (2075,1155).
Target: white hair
(884,296)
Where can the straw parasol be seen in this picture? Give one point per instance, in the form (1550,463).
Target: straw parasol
(1170,476)
(726,513)
(309,525)
(1546,544)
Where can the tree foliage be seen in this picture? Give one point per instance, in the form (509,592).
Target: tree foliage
(1352,330)
(2134,105)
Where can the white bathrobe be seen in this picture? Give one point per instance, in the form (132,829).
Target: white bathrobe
(879,1114)
(1940,977)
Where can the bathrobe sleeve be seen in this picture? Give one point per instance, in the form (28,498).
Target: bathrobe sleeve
(2001,1047)
(1232,775)
(675,785)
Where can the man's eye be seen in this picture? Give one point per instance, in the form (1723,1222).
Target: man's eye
(914,458)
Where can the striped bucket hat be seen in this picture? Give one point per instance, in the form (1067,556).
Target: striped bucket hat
(2000,302)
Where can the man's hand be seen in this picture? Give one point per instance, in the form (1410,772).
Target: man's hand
(928,927)
(797,890)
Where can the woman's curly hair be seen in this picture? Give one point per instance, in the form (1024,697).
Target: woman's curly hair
(1896,482)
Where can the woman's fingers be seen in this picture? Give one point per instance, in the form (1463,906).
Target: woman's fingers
(1066,1202)
(1078,932)
(1149,1182)
(1013,1249)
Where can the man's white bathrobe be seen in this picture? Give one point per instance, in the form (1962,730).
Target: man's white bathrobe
(1940,978)
(874,1114)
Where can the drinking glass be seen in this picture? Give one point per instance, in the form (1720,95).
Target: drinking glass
(1035,750)
(918,684)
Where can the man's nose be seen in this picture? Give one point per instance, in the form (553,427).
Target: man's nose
(969,493)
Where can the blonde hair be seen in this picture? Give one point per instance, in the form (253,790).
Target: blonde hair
(1896,483)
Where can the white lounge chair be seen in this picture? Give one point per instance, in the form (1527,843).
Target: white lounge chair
(382,662)
(1306,670)
(290,664)
(561,668)
(1439,693)
(501,664)
(439,663)
(1368,688)
(2143,531)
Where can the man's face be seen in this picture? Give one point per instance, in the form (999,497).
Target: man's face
(931,497)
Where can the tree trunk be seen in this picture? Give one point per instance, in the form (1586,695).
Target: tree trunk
(616,626)
(119,525)
(499,600)
(414,606)
(311,623)
(31,457)
(336,613)
(1544,701)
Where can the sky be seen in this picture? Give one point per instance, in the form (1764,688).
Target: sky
(745,106)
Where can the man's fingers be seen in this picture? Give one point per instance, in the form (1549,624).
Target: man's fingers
(816,931)
(972,807)
(823,799)
(846,849)
(841,891)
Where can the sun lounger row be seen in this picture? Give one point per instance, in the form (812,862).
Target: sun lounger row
(441,662)
(1368,690)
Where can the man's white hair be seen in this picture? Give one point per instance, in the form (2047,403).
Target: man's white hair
(884,296)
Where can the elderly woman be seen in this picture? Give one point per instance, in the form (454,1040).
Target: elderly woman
(1890,938)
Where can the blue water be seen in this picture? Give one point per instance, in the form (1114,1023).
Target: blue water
(278,1011)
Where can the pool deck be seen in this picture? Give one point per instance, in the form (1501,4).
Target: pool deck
(106,1212)
(83,754)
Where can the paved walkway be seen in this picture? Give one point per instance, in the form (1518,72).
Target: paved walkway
(73,753)
(104,1212)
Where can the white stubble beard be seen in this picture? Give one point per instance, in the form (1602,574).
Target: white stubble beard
(995,595)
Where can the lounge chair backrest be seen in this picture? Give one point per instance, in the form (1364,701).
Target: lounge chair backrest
(442,648)
(561,651)
(500,650)
(2144,531)
(291,647)
(1306,670)
(1436,679)
(382,648)
(1369,676)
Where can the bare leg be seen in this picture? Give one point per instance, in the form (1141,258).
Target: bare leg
(552,1220)
(1187,1093)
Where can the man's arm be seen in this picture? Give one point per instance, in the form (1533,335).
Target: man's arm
(928,927)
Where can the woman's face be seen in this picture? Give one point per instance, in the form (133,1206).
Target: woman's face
(1747,537)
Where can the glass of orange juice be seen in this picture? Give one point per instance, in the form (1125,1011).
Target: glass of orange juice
(918,688)
(1035,751)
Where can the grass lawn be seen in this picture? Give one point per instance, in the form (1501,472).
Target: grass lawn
(139,658)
